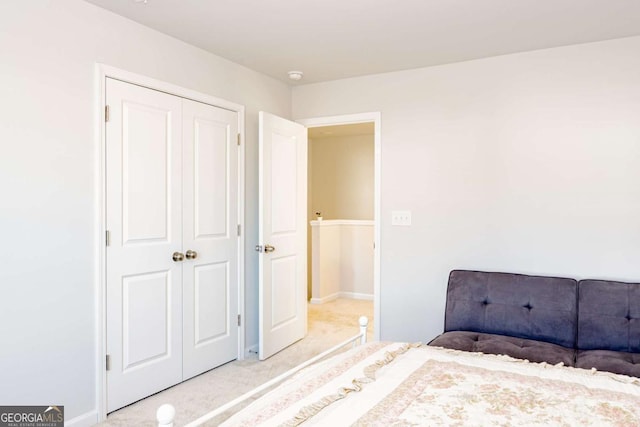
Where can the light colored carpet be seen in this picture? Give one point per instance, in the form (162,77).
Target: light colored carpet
(329,324)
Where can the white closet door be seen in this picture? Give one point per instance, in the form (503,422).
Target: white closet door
(144,218)
(210,242)
(283,233)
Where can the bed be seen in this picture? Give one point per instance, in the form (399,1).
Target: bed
(404,384)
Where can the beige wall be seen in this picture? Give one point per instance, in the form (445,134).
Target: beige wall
(341,177)
(340,181)
(342,260)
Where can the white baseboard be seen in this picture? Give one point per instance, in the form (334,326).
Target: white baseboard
(84,420)
(356,295)
(350,295)
(325,299)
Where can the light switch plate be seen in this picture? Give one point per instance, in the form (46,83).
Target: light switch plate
(401,218)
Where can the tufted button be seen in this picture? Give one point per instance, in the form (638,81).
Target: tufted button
(485,301)
(528,306)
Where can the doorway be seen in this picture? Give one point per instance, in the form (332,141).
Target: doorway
(344,158)
(290,141)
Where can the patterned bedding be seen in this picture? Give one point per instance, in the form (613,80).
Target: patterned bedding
(396,384)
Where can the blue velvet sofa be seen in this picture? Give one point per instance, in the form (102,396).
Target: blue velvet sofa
(586,324)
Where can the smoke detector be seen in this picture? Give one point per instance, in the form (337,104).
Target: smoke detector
(295,75)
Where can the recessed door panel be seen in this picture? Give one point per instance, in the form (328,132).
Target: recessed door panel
(211,300)
(210,198)
(146,147)
(283,291)
(283,183)
(211,161)
(147,320)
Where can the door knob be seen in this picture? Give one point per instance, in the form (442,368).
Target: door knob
(191,254)
(178,256)
(269,248)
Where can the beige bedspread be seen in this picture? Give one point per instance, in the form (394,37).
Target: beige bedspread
(395,384)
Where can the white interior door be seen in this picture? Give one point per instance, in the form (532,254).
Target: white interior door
(172,259)
(283,233)
(210,241)
(144,219)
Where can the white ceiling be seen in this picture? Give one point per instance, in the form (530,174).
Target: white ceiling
(333,39)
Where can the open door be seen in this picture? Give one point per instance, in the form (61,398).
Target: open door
(283,234)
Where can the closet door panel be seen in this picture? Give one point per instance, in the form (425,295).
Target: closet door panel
(144,219)
(210,159)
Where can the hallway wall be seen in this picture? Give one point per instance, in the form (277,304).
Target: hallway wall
(340,182)
(341,177)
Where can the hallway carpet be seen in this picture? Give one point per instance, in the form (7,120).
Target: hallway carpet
(329,324)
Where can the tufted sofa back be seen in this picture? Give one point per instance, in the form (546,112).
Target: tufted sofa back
(609,316)
(531,307)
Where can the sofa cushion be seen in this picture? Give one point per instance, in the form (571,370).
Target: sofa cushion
(609,316)
(534,351)
(618,362)
(530,307)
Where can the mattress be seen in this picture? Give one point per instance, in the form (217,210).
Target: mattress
(403,384)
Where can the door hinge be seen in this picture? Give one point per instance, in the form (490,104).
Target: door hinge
(239,321)
(108,362)
(107,238)
(259,248)
(238,139)
(106,113)
(239,229)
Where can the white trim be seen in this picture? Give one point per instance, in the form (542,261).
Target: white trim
(374,117)
(348,295)
(326,299)
(103,71)
(355,295)
(99,225)
(243,235)
(84,420)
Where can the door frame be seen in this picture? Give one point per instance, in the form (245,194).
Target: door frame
(349,119)
(102,71)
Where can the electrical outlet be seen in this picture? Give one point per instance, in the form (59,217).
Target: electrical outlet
(401,218)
